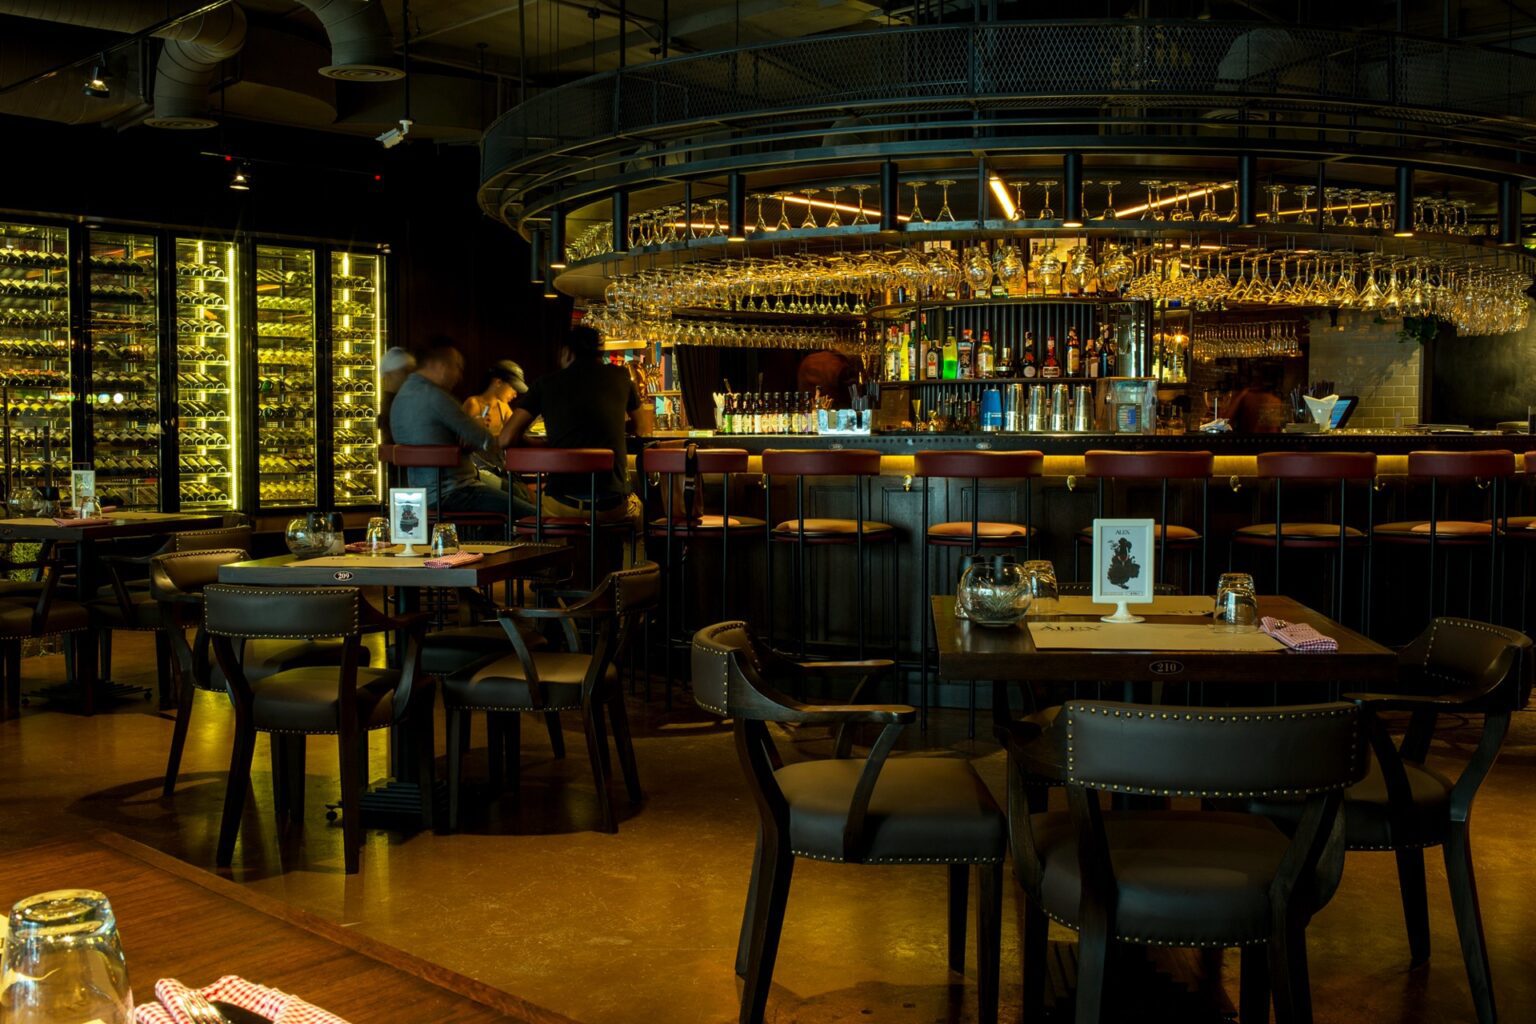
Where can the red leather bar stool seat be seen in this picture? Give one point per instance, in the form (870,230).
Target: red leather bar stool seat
(1453,468)
(542,463)
(1451,531)
(958,534)
(672,462)
(803,531)
(1159,467)
(1173,533)
(440,457)
(1298,535)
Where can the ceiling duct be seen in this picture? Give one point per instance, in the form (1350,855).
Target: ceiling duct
(189,60)
(362,48)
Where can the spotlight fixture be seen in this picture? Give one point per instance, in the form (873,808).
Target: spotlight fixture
(557,239)
(621,222)
(736,207)
(1510,197)
(241,182)
(890,198)
(1072,190)
(1247,189)
(99,84)
(1403,223)
(536,273)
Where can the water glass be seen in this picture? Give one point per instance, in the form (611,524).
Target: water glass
(1040,578)
(1237,606)
(64,962)
(376,538)
(445,540)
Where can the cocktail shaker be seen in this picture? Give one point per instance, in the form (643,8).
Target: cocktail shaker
(1035,420)
(1061,401)
(1082,409)
(1013,407)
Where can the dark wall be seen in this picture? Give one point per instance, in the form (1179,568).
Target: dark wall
(1481,381)
(456,272)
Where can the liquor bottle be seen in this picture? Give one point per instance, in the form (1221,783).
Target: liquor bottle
(728,414)
(1028,367)
(1091,356)
(1005,361)
(966,366)
(930,359)
(986,357)
(912,368)
(1074,353)
(1106,351)
(951,357)
(891,357)
(903,351)
(757,413)
(1050,369)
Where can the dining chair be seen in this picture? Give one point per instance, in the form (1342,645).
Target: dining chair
(1194,878)
(43,614)
(870,810)
(346,700)
(550,682)
(1459,668)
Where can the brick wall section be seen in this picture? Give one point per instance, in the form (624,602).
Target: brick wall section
(1366,359)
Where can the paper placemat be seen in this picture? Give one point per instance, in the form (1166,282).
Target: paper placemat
(1145,636)
(359,562)
(148,517)
(1078,604)
(27,521)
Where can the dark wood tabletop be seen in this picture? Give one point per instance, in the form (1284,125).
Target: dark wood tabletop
(123,524)
(181,922)
(363,571)
(969,652)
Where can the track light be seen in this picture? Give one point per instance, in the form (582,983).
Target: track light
(890,198)
(557,239)
(241,182)
(1072,190)
(1402,225)
(736,207)
(99,84)
(536,273)
(1510,197)
(621,222)
(1247,189)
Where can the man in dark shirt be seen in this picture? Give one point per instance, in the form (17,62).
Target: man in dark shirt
(587,403)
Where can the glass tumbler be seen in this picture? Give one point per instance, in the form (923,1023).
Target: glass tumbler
(64,962)
(1237,606)
(376,538)
(445,540)
(1040,578)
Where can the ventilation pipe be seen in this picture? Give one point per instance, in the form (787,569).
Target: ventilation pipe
(362,47)
(189,59)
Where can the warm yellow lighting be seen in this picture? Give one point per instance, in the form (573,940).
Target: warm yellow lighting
(1172,200)
(1000,190)
(1402,234)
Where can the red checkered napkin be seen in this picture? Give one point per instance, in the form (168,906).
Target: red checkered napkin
(278,1007)
(1298,636)
(92,521)
(457,558)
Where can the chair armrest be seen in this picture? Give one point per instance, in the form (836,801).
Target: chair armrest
(869,665)
(1416,702)
(375,620)
(855,714)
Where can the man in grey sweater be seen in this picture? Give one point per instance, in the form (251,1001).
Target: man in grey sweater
(425,412)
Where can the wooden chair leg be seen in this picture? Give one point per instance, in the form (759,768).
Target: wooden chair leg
(1288,974)
(495,749)
(234,793)
(280,788)
(512,751)
(1093,943)
(601,727)
(298,747)
(624,742)
(456,731)
(1253,994)
(10,672)
(347,742)
(186,693)
(164,671)
(1035,955)
(959,908)
(989,940)
(749,912)
(778,865)
(1410,880)
(1469,921)
(596,748)
(556,735)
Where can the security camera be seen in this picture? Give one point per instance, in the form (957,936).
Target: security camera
(395,136)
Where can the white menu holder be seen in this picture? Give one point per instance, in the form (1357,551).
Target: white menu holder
(1123,551)
(408,519)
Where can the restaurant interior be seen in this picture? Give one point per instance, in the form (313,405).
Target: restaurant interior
(1092,450)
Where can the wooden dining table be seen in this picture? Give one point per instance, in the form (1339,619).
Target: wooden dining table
(972,653)
(178,921)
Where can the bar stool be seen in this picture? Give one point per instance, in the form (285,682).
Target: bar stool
(1316,469)
(542,463)
(438,457)
(690,523)
(803,532)
(1521,530)
(392,474)
(1488,471)
(972,534)
(1159,466)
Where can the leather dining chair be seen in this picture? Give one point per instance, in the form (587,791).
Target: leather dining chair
(1193,878)
(541,682)
(1456,667)
(871,810)
(43,614)
(346,700)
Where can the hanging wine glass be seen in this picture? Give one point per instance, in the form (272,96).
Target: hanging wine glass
(1207,206)
(978,269)
(810,210)
(1018,199)
(1304,195)
(783,222)
(716,228)
(835,218)
(916,216)
(1046,213)
(1178,188)
(1330,204)
(1154,199)
(1275,192)
(861,217)
(761,225)
(1109,203)
(945,214)
(1350,220)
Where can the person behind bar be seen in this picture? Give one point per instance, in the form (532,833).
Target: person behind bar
(587,403)
(424,412)
(396,365)
(504,384)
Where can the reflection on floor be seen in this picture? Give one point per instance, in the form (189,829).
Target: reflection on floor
(642,926)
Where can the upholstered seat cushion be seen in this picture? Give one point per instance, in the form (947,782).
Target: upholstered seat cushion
(1176,534)
(448,650)
(498,684)
(1418,530)
(1518,523)
(1326,532)
(924,810)
(985,530)
(566,525)
(702,524)
(831,527)
(1367,822)
(23,589)
(63,617)
(1188,878)
(305,699)
(143,612)
(264,658)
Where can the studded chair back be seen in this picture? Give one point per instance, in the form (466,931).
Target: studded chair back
(308,613)
(236,537)
(1489,667)
(180,574)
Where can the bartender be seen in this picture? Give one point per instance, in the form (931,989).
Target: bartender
(1258,408)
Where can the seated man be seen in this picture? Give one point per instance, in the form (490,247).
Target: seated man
(587,403)
(425,412)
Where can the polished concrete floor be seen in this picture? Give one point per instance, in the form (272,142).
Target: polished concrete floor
(642,926)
